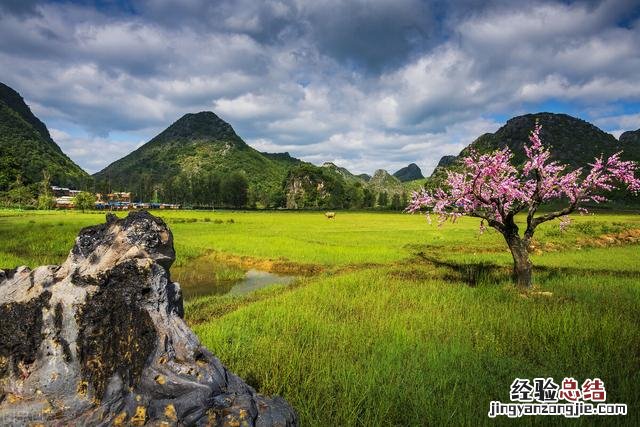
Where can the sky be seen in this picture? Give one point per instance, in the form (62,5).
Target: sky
(364,84)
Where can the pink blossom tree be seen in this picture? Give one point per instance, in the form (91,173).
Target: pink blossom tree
(491,188)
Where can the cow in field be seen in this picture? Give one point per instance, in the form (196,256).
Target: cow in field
(330,215)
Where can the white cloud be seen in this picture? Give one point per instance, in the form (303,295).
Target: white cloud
(249,106)
(92,152)
(621,123)
(319,79)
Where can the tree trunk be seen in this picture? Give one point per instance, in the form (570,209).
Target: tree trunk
(522,266)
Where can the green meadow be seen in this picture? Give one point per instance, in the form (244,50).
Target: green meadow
(391,320)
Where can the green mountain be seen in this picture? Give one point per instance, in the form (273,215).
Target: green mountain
(311,187)
(188,160)
(344,173)
(446,161)
(26,148)
(200,160)
(333,187)
(573,141)
(415,185)
(383,181)
(630,143)
(409,173)
(283,158)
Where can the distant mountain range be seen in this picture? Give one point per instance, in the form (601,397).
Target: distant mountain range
(26,147)
(198,147)
(191,161)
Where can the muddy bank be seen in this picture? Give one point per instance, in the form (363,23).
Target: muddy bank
(246,263)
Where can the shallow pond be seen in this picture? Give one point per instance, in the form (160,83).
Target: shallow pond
(207,276)
(256,279)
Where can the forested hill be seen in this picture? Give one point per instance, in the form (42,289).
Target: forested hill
(573,141)
(200,161)
(630,140)
(26,147)
(189,161)
(409,173)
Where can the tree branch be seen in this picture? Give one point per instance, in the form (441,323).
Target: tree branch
(533,207)
(479,195)
(491,221)
(553,215)
(515,209)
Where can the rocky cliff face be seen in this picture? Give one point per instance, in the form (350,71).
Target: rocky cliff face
(100,340)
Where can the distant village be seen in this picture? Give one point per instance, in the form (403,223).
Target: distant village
(121,201)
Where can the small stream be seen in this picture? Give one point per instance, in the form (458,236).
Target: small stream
(204,276)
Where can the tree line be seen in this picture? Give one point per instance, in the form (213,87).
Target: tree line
(204,189)
(40,196)
(215,190)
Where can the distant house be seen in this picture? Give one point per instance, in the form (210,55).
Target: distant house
(114,201)
(164,206)
(64,196)
(65,202)
(59,191)
(119,197)
(63,191)
(118,200)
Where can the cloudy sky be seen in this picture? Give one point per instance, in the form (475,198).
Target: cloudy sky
(365,84)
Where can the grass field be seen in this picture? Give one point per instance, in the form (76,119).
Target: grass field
(394,321)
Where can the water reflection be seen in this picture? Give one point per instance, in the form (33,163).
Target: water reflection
(256,279)
(204,276)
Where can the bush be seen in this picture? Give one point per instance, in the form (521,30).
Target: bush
(46,202)
(85,201)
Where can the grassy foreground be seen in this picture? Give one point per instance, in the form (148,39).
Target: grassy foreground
(397,322)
